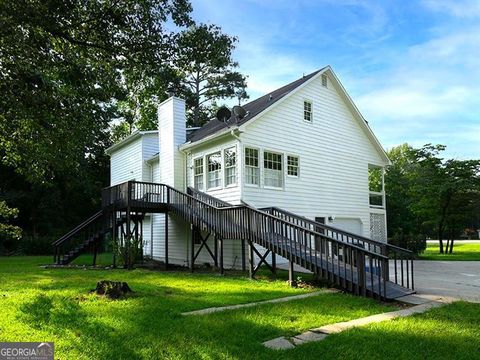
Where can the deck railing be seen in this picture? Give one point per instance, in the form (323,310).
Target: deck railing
(402,259)
(349,264)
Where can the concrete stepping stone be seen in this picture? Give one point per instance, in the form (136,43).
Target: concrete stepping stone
(320,333)
(280,343)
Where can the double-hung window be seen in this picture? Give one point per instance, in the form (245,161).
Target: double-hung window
(307,111)
(273,169)
(214,163)
(292,166)
(198,174)
(252,168)
(230,157)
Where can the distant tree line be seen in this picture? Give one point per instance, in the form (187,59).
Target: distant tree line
(428,196)
(76,76)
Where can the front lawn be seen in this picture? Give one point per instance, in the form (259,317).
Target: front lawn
(55,305)
(461,251)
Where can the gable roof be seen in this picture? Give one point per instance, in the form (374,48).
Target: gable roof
(132,137)
(215,128)
(253,108)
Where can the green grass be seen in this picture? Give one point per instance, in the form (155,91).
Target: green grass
(449,332)
(40,304)
(461,251)
(55,305)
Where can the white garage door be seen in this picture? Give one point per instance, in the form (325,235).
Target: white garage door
(353,225)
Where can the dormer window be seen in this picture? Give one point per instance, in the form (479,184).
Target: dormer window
(307,111)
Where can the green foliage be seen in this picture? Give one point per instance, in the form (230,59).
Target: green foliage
(375,179)
(207,70)
(129,251)
(67,69)
(416,243)
(429,195)
(9,234)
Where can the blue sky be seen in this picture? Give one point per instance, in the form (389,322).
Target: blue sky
(412,67)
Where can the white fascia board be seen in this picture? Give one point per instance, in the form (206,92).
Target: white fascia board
(132,137)
(221,133)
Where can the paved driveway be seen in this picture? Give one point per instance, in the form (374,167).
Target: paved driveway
(460,279)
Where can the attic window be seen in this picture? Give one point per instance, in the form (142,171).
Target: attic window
(307,111)
(324,80)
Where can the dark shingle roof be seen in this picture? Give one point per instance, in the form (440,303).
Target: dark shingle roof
(253,108)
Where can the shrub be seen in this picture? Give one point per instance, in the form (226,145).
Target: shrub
(413,242)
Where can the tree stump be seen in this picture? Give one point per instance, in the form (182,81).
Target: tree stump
(112,289)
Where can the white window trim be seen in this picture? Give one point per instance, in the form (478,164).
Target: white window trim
(235,184)
(298,166)
(263,170)
(260,168)
(203,173)
(207,172)
(311,112)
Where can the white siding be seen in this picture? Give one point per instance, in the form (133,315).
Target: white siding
(334,154)
(126,163)
(129,161)
(149,149)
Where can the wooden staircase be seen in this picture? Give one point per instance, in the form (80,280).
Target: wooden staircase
(354,263)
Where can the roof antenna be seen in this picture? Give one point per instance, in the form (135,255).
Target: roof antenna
(223,114)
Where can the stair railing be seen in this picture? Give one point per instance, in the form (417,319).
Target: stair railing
(78,238)
(351,266)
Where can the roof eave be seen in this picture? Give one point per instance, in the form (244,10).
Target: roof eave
(125,141)
(218,134)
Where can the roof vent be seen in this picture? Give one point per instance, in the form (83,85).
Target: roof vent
(270,97)
(324,80)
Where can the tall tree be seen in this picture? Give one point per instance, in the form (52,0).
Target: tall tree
(207,70)
(65,66)
(426,193)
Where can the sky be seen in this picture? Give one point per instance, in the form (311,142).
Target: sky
(411,67)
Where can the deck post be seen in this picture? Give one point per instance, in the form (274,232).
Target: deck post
(127,235)
(291,274)
(244,266)
(250,260)
(274,264)
(95,249)
(114,237)
(222,271)
(166,240)
(192,250)
(215,251)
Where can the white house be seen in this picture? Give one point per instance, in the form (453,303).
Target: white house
(304,147)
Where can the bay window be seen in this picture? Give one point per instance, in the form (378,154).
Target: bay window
(214,163)
(230,158)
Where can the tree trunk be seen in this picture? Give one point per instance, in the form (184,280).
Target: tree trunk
(440,239)
(452,236)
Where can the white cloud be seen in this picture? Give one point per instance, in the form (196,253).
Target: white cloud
(458,8)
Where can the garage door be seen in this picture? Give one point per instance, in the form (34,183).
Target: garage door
(353,225)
